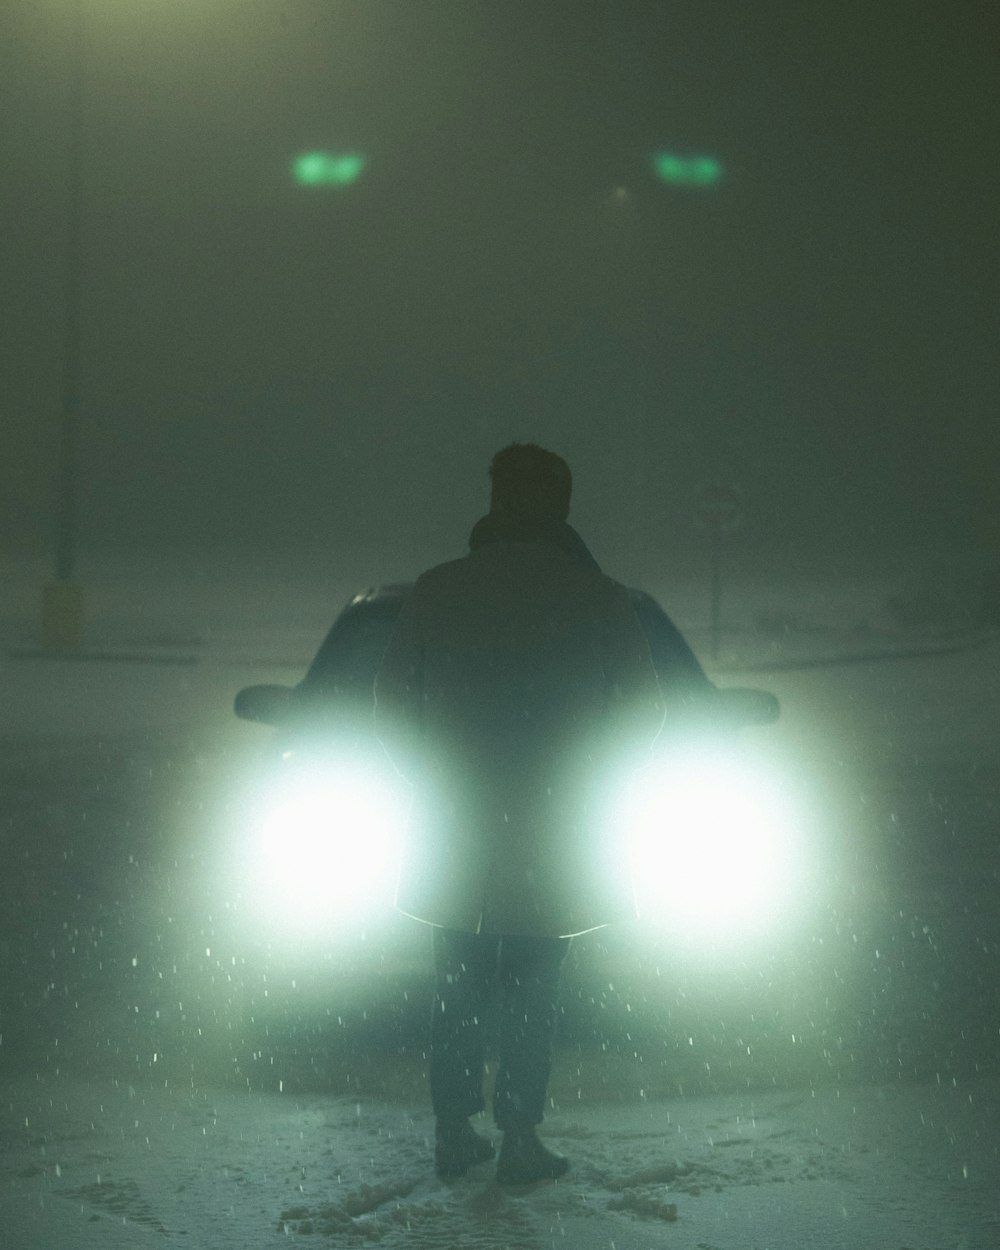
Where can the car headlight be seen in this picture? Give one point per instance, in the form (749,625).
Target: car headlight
(714,844)
(323,845)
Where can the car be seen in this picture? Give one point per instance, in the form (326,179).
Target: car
(337,688)
(329,810)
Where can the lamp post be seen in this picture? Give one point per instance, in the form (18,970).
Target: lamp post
(62,598)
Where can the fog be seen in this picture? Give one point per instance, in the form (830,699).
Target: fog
(175,1064)
(267,362)
(280,394)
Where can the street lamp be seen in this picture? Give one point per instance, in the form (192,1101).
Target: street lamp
(692,172)
(328,169)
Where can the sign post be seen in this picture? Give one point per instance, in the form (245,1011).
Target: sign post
(719,510)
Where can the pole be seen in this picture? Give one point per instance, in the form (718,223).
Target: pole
(640,539)
(716,585)
(70,423)
(62,600)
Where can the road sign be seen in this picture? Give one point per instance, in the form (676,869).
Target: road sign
(719,506)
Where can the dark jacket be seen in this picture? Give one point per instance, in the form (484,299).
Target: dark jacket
(515,694)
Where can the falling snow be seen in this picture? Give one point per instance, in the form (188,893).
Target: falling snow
(171,1069)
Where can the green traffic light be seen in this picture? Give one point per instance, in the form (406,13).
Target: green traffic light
(687,171)
(327,169)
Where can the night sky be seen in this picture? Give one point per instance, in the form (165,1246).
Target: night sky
(280,365)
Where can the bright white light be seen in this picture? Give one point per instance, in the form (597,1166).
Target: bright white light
(714,846)
(324,847)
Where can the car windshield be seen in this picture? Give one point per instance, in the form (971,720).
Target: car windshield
(348,660)
(675,663)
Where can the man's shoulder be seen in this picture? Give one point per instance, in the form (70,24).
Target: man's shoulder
(443,573)
(515,568)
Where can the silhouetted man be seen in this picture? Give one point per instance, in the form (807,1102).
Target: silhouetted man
(515,691)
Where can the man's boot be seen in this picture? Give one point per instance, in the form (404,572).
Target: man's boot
(458,1147)
(524,1160)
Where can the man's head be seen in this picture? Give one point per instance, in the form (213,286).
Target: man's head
(528,481)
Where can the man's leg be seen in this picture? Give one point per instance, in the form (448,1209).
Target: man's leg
(464,968)
(529,978)
(529,975)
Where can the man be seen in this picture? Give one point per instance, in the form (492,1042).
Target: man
(514,694)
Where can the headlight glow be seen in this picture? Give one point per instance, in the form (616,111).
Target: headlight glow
(714,845)
(324,846)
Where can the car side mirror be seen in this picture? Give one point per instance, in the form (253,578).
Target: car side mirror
(743,705)
(268,705)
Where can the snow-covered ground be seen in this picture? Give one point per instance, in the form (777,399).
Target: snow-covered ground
(112,1165)
(171,1073)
